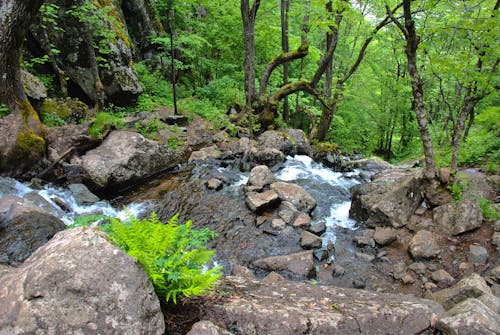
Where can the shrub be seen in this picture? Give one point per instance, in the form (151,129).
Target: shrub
(173,255)
(490,213)
(103,121)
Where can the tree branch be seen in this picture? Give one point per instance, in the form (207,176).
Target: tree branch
(390,14)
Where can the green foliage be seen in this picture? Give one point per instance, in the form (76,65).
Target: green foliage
(151,128)
(52,120)
(88,220)
(4,110)
(173,255)
(490,212)
(173,142)
(104,121)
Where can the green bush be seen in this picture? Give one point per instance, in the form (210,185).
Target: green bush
(52,120)
(173,255)
(103,121)
(490,213)
(4,110)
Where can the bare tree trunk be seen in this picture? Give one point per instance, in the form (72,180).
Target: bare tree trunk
(172,58)
(467,108)
(412,41)
(285,6)
(249,15)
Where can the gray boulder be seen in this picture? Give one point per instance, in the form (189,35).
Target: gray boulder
(477,254)
(295,194)
(309,240)
(371,164)
(82,194)
(456,218)
(469,317)
(33,86)
(24,228)
(79,283)
(290,141)
(207,328)
(261,176)
(389,200)
(301,263)
(126,157)
(424,245)
(290,308)
(260,201)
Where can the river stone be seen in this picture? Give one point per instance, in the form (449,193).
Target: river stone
(24,228)
(469,317)
(207,328)
(477,254)
(261,176)
(309,240)
(303,220)
(214,184)
(126,157)
(389,200)
(82,194)
(317,228)
(272,139)
(456,218)
(79,283)
(384,236)
(442,277)
(257,202)
(295,194)
(469,287)
(278,224)
(267,156)
(299,141)
(424,245)
(372,164)
(301,263)
(290,308)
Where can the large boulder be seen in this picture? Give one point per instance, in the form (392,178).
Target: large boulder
(424,245)
(261,176)
(33,86)
(290,141)
(296,195)
(79,283)
(371,164)
(24,228)
(289,308)
(300,263)
(389,200)
(70,137)
(126,157)
(458,217)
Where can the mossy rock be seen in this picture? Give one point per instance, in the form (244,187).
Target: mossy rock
(326,148)
(69,110)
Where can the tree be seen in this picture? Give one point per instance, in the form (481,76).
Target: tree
(412,41)
(249,15)
(285,8)
(21,140)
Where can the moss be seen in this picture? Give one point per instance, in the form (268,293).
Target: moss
(324,148)
(29,142)
(70,110)
(118,24)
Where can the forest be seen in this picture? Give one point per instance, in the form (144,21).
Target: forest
(371,77)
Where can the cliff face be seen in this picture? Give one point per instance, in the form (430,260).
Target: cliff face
(116,44)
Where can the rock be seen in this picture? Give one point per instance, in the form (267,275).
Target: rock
(242,271)
(418,268)
(317,228)
(257,202)
(303,220)
(491,301)
(24,228)
(72,111)
(295,194)
(273,277)
(444,176)
(79,283)
(33,86)
(301,263)
(430,286)
(384,236)
(477,254)
(364,256)
(363,241)
(200,132)
(328,154)
(69,137)
(442,277)
(456,218)
(469,317)
(495,275)
(436,194)
(261,176)
(372,164)
(214,184)
(338,270)
(278,224)
(469,287)
(321,254)
(286,214)
(408,279)
(207,328)
(389,200)
(424,245)
(495,239)
(82,194)
(259,221)
(267,156)
(290,308)
(279,140)
(358,284)
(299,142)
(309,240)
(399,270)
(126,157)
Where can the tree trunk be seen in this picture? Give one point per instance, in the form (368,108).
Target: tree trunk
(467,108)
(21,145)
(172,58)
(285,6)
(248,16)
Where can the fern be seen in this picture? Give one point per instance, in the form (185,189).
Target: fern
(173,255)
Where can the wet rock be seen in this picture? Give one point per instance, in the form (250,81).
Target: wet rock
(260,201)
(82,194)
(299,142)
(214,184)
(469,317)
(309,240)
(456,218)
(126,157)
(278,224)
(289,308)
(301,263)
(267,156)
(79,283)
(384,236)
(207,328)
(321,254)
(389,200)
(303,220)
(317,228)
(290,141)
(338,270)
(477,254)
(469,287)
(424,245)
(442,277)
(24,228)
(363,241)
(261,176)
(295,194)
